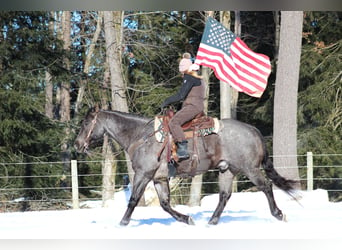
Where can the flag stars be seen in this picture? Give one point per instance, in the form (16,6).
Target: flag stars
(214,52)
(220,37)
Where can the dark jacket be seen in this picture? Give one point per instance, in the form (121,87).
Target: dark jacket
(192,91)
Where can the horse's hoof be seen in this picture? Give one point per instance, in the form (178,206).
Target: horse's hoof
(284,218)
(191,221)
(213,221)
(124,222)
(223,166)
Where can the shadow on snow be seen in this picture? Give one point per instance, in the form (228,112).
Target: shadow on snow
(227,216)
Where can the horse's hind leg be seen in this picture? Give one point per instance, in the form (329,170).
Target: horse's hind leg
(225,185)
(161,185)
(139,185)
(265,186)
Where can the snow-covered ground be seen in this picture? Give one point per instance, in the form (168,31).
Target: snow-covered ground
(246,216)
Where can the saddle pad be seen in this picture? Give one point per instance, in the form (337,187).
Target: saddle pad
(161,134)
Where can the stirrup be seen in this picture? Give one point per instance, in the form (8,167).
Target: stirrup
(183,157)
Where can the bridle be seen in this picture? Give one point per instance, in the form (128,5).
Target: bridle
(86,140)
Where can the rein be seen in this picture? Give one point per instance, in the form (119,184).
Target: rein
(139,141)
(93,122)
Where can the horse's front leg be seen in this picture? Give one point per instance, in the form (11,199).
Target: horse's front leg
(140,182)
(161,185)
(225,185)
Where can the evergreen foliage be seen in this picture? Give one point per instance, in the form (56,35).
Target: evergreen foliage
(155,43)
(152,47)
(28,49)
(320,93)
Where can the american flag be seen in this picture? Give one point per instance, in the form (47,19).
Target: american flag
(232,61)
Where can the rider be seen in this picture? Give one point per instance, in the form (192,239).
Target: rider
(192,93)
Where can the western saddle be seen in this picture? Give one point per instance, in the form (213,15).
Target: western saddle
(200,126)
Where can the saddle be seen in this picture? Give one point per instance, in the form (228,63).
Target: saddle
(200,126)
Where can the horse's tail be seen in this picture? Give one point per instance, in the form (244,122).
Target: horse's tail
(281,182)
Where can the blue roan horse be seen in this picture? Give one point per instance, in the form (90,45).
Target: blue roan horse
(238,147)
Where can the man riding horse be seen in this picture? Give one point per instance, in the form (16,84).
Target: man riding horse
(192,93)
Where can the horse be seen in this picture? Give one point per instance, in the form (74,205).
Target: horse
(237,147)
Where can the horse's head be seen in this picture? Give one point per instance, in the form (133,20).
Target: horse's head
(90,132)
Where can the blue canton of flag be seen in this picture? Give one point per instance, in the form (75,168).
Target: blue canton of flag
(231,59)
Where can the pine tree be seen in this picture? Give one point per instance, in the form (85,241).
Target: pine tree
(154,43)
(28,49)
(320,94)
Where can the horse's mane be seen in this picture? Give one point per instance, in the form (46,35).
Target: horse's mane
(120,113)
(127,115)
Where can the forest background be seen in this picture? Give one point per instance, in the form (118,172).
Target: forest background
(55,65)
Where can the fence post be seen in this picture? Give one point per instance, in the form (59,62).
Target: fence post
(309,162)
(74,185)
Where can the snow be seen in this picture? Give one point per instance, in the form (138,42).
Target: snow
(246,216)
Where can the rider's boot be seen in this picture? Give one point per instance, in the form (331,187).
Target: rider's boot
(182,150)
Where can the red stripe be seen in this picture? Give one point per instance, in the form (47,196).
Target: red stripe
(247,65)
(251,54)
(210,53)
(208,57)
(245,68)
(234,71)
(223,75)
(258,78)
(252,83)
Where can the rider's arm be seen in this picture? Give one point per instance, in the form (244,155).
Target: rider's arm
(188,82)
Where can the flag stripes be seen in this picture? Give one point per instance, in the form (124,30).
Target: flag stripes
(239,66)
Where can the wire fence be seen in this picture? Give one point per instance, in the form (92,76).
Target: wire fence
(50,185)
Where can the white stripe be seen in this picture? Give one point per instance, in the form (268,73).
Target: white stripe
(249,77)
(254,80)
(252,53)
(225,68)
(218,72)
(260,67)
(218,58)
(227,71)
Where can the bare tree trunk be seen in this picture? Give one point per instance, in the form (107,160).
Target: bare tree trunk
(113,36)
(1,58)
(65,88)
(49,85)
(112,26)
(277,34)
(225,89)
(109,164)
(235,93)
(228,95)
(48,95)
(88,60)
(285,97)
(59,33)
(196,183)
(108,172)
